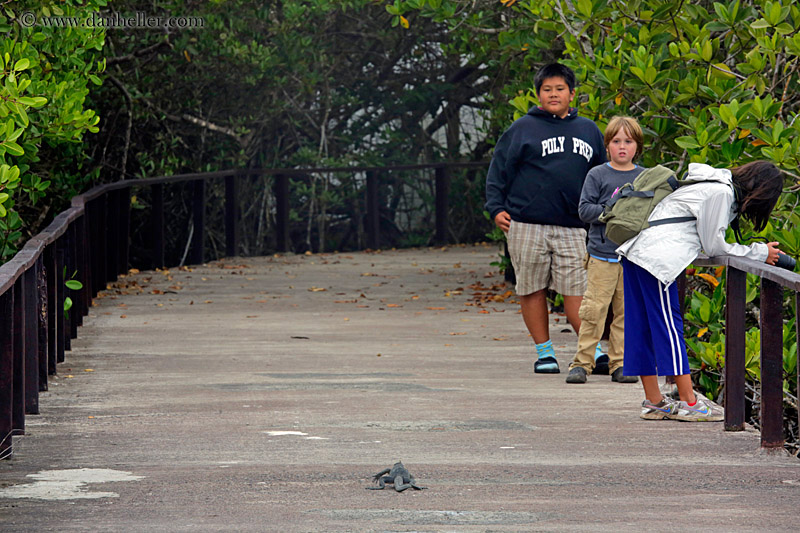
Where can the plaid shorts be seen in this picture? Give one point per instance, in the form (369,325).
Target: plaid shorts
(547,257)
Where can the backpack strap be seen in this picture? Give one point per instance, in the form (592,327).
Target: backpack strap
(671,220)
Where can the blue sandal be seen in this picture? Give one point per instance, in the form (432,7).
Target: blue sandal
(546,365)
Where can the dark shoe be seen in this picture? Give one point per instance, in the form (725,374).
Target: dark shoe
(546,365)
(577,375)
(619,378)
(601,366)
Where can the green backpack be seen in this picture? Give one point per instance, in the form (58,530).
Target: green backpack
(626,214)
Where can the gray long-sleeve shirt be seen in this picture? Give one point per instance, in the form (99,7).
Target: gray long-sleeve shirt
(600,184)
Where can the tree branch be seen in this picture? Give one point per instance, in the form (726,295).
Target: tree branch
(576,33)
(139,53)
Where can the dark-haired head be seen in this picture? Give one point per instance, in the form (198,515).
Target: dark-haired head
(554,70)
(759,185)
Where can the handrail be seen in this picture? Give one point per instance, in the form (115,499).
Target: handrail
(91,239)
(773,282)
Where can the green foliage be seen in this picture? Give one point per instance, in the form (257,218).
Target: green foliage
(73,285)
(709,82)
(46,75)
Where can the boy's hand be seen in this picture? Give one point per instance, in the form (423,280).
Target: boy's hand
(503,221)
(772,255)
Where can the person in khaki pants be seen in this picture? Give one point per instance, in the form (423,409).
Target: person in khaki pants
(623,141)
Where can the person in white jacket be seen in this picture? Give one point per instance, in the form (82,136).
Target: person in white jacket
(652,260)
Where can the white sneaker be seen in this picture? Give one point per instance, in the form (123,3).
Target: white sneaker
(704,410)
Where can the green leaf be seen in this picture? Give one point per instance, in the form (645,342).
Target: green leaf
(13,148)
(687,142)
(73,284)
(22,64)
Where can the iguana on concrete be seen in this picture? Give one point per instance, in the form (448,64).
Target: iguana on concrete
(398,476)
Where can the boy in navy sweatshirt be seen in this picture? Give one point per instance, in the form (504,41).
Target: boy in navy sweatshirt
(532,192)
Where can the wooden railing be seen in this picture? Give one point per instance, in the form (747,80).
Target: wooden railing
(91,241)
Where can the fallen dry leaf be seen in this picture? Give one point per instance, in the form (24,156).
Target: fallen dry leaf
(437,308)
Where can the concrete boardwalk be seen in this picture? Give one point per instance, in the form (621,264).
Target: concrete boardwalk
(261,394)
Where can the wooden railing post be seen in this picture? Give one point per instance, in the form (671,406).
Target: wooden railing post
(442,204)
(102,243)
(84,298)
(158,226)
(199,221)
(42,319)
(231,216)
(771,365)
(93,236)
(735,291)
(112,220)
(70,259)
(6,372)
(51,267)
(18,409)
(373,211)
(58,301)
(31,355)
(123,231)
(280,188)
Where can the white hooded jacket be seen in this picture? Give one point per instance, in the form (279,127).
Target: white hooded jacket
(666,250)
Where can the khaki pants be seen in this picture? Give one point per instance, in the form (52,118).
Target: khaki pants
(604,288)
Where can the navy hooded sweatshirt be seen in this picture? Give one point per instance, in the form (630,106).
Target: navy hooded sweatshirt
(539,166)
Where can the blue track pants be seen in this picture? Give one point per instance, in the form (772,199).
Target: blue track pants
(654,342)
